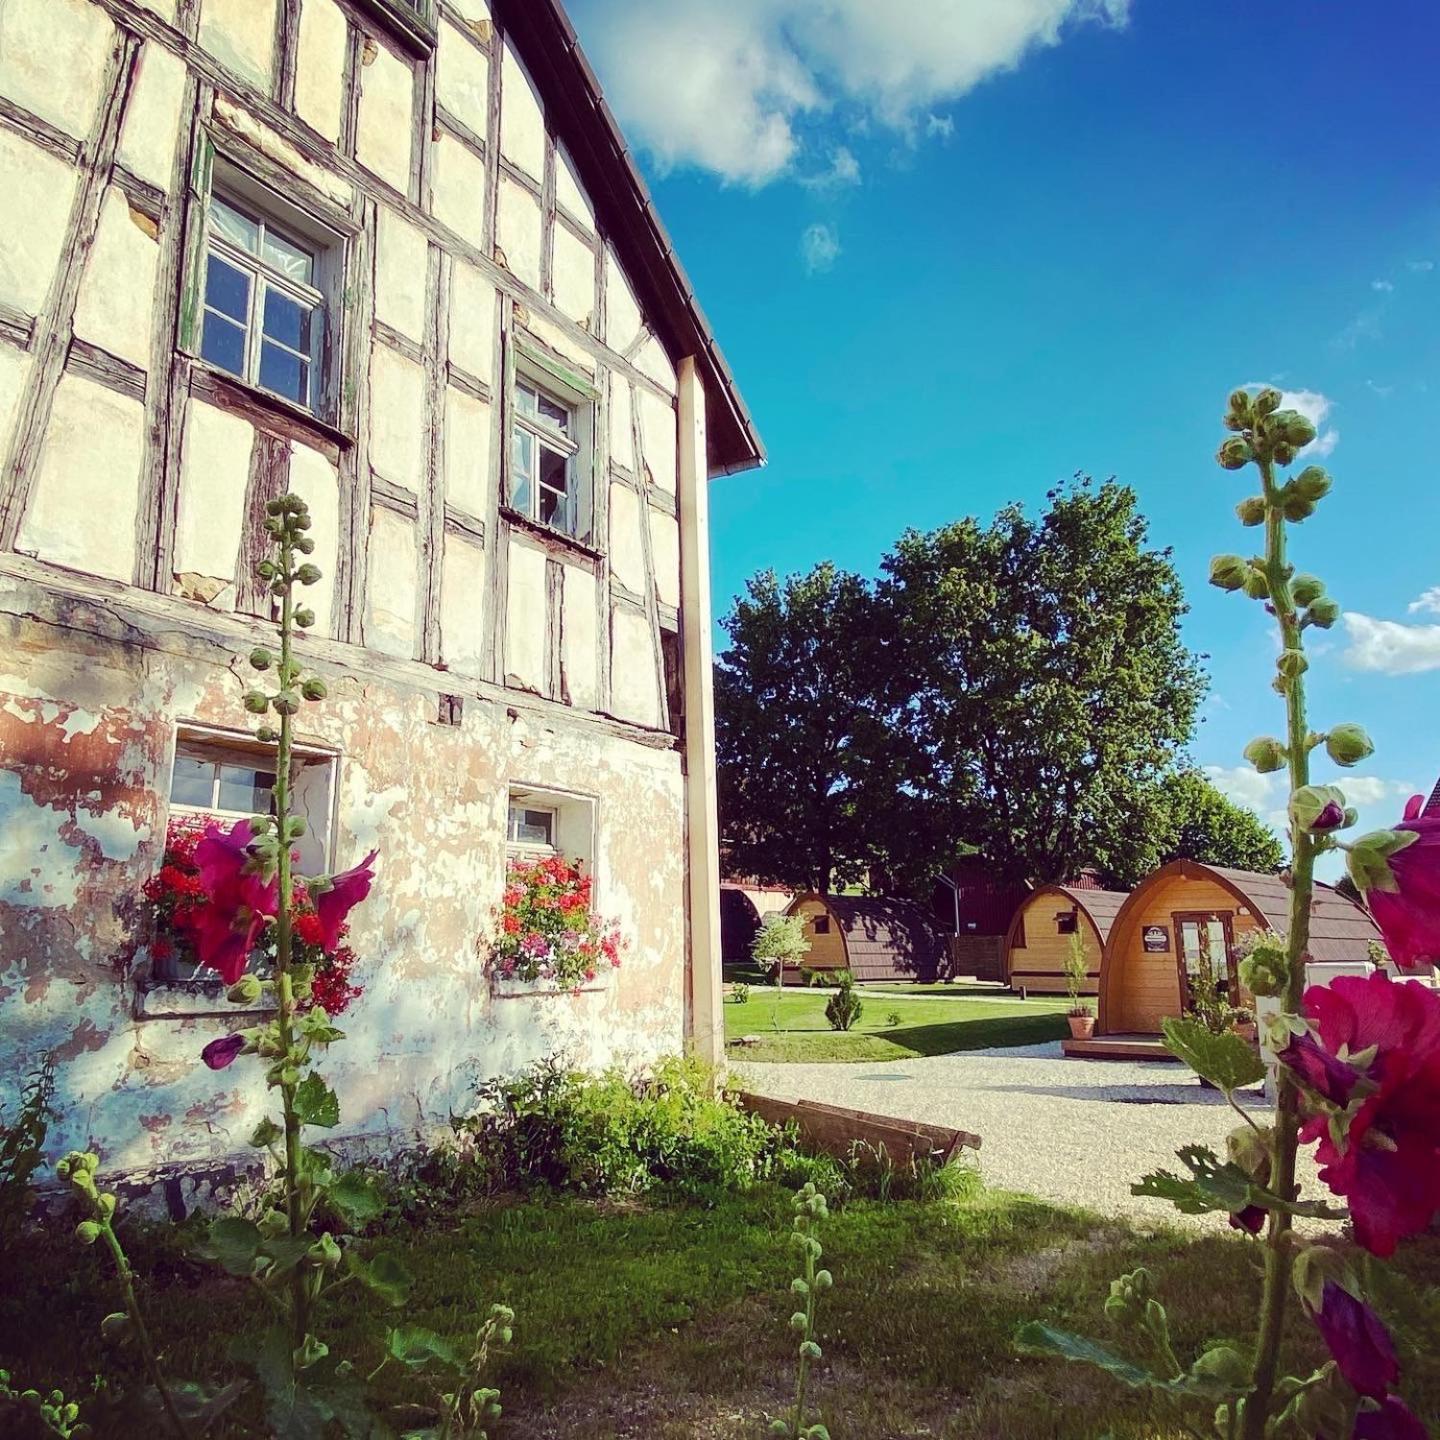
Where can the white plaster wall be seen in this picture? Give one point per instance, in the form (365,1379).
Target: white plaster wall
(458,195)
(152,118)
(393,591)
(397,417)
(317,482)
(462,605)
(570,193)
(473,307)
(40,189)
(627,554)
(14,368)
(462,79)
(665,550)
(115,306)
(622,315)
(659,435)
(214,471)
(518,230)
(525,619)
(239,121)
(382,138)
(522,124)
(401,257)
(557,340)
(72,520)
(632,667)
(467,452)
(320,66)
(35,35)
(240,34)
(573,270)
(578,648)
(652,360)
(622,438)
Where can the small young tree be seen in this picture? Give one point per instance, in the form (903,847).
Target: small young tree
(779,942)
(844,1007)
(1077,973)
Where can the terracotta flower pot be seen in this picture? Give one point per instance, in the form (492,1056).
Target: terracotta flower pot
(1082,1027)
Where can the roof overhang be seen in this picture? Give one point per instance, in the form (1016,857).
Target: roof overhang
(547,43)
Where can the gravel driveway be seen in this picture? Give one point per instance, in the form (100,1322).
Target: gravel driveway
(1074,1131)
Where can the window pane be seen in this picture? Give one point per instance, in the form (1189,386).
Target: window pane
(522,460)
(288,321)
(556,414)
(554,486)
(284,373)
(222,343)
(525,399)
(236,227)
(245,790)
(227,289)
(289,258)
(192,781)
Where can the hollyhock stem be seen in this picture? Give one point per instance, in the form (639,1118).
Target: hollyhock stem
(1278,1253)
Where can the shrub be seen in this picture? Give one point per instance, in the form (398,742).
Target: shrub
(22,1141)
(893,1019)
(844,1008)
(740,994)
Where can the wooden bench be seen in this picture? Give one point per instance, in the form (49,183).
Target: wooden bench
(835,1130)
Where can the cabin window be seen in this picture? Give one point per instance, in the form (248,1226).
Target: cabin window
(262,305)
(1065,922)
(822,924)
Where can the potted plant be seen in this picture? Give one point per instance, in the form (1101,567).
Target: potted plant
(1080,1016)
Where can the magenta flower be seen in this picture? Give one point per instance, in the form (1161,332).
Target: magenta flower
(1409,914)
(1358,1341)
(1251,1219)
(219,1053)
(237,900)
(1382,1149)
(1394,1420)
(1320,1072)
(1331,816)
(345,892)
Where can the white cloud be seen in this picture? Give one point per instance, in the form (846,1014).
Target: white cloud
(1427,603)
(819,247)
(1390,647)
(844,170)
(1383,286)
(939,127)
(1247,786)
(732,87)
(1371,790)
(1419,267)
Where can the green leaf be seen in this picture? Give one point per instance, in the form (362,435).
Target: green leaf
(315,1102)
(267,1132)
(285,1252)
(356,1198)
(1224,1060)
(1037,1339)
(415,1346)
(293,1411)
(232,1243)
(385,1275)
(1218,1185)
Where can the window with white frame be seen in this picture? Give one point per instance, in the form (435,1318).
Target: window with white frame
(262,299)
(544,457)
(531,827)
(550,822)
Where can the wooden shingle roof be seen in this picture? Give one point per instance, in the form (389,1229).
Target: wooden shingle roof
(1339,929)
(1102,906)
(885,938)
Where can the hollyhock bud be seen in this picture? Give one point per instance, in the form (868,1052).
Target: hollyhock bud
(1318,807)
(267,735)
(1234,453)
(1266,754)
(257,702)
(245,991)
(1358,1342)
(287,702)
(1295,428)
(220,1053)
(1256,584)
(1228,572)
(1306,589)
(1348,745)
(1296,508)
(1282,454)
(1323,613)
(1252,511)
(1313,482)
(308,574)
(261,658)
(1237,409)
(305,617)
(1266,401)
(304,544)
(1391,1419)
(87,1232)
(1292,663)
(314,688)
(1266,968)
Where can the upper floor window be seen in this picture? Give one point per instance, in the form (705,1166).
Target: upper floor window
(543,463)
(530,827)
(263,306)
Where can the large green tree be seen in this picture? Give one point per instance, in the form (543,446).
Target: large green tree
(1052,689)
(803,696)
(1202,824)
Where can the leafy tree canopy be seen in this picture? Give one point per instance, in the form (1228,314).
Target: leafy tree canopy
(1204,825)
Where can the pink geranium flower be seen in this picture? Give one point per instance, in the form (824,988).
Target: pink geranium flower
(346,891)
(1379,1139)
(236,900)
(1409,914)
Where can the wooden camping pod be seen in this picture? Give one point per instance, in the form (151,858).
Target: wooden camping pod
(874,937)
(1039,936)
(1185,906)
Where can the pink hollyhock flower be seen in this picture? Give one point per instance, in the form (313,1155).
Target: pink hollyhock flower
(346,891)
(1358,1341)
(1379,1142)
(219,1053)
(1251,1219)
(1394,1420)
(1409,914)
(235,904)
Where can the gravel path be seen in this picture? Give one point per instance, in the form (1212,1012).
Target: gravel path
(1079,1132)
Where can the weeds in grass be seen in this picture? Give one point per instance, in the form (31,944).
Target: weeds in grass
(22,1142)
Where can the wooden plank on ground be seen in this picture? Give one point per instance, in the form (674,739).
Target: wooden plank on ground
(836,1130)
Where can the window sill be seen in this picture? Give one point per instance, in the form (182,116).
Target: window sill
(502,988)
(414,31)
(230,392)
(189,1000)
(552,538)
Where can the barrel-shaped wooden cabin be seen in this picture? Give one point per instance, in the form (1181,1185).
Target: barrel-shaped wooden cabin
(1044,928)
(1187,920)
(873,937)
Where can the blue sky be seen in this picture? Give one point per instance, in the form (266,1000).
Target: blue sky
(956,250)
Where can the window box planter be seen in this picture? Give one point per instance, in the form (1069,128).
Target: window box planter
(509,987)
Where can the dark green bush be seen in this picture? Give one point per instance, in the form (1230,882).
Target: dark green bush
(22,1142)
(844,1007)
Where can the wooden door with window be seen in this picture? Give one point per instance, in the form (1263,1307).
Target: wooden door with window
(1204,945)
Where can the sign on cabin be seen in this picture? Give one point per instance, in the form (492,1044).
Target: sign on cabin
(1157,939)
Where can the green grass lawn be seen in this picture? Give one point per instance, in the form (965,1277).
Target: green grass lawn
(670,1321)
(942,1020)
